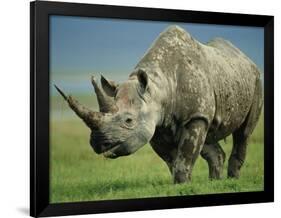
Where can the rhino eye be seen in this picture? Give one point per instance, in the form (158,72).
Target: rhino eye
(128,123)
(129,120)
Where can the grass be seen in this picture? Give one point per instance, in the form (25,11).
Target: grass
(78,174)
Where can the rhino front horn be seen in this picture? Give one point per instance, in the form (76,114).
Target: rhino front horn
(91,118)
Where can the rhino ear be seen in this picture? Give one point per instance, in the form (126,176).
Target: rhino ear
(143,79)
(108,86)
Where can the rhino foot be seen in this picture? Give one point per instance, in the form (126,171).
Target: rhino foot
(181,177)
(234,166)
(215,157)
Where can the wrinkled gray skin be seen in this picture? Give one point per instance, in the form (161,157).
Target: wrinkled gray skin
(182,97)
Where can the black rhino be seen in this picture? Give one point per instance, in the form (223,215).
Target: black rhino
(182,97)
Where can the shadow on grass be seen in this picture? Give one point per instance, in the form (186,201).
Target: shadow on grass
(120,186)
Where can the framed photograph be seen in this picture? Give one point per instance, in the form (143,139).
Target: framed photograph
(141,109)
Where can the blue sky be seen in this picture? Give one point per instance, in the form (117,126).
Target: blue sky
(81,47)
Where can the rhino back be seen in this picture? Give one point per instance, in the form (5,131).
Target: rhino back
(234,77)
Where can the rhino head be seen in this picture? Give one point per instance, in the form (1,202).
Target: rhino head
(127,118)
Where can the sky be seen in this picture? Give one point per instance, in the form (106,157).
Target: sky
(84,46)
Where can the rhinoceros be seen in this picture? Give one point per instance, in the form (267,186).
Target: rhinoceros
(182,97)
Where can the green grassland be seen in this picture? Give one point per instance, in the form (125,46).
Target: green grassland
(78,174)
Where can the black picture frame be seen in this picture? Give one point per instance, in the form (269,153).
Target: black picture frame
(39,107)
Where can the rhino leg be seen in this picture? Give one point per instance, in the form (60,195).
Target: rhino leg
(238,154)
(241,135)
(166,152)
(215,157)
(192,138)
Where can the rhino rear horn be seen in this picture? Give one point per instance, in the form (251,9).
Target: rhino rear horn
(106,103)
(108,86)
(91,118)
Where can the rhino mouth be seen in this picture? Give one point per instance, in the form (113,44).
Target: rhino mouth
(120,149)
(111,153)
(103,147)
(100,144)
(108,149)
